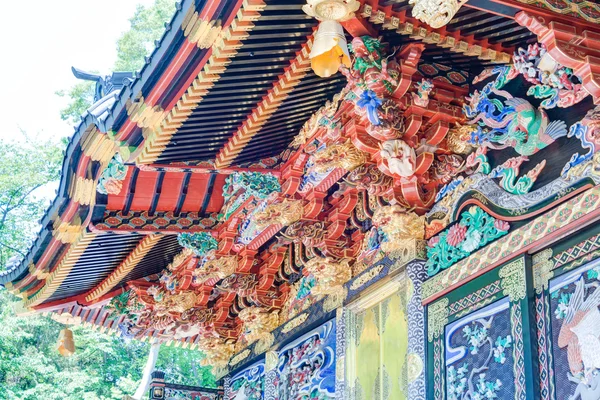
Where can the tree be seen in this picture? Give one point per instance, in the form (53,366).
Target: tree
(147,26)
(26,167)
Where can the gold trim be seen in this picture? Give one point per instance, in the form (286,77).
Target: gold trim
(60,273)
(124,268)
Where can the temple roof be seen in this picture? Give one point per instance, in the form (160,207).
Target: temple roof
(226,90)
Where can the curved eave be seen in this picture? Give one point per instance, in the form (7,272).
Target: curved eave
(148,77)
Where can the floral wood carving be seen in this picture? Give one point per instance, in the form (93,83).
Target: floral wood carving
(111,180)
(475,229)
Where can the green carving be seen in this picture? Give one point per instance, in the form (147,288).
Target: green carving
(126,305)
(200,243)
(475,229)
(110,180)
(509,175)
(254,184)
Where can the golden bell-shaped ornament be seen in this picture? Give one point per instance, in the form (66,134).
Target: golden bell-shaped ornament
(66,345)
(329,50)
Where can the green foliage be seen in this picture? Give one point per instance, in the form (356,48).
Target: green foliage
(103,367)
(25,168)
(81,97)
(147,26)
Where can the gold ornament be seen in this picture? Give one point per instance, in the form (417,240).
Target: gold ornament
(258,323)
(343,155)
(285,213)
(217,268)
(329,274)
(66,345)
(458,139)
(217,352)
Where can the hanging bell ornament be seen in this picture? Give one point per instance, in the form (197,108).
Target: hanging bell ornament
(66,345)
(329,50)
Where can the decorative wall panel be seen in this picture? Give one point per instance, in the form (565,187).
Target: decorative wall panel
(477,345)
(306,367)
(248,384)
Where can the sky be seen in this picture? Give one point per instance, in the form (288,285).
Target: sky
(39,41)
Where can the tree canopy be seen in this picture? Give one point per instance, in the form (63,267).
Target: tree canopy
(146,27)
(103,367)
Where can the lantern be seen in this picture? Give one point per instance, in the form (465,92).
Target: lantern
(329,50)
(66,345)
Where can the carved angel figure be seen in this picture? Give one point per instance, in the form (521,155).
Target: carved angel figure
(401,159)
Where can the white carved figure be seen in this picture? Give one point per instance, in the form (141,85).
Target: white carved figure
(401,158)
(435,13)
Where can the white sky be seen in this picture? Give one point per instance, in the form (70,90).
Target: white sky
(39,42)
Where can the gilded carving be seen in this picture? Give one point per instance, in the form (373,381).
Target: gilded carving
(217,268)
(437,318)
(542,270)
(284,213)
(271,360)
(513,280)
(217,352)
(403,232)
(366,277)
(329,274)
(458,139)
(239,357)
(293,324)
(414,366)
(343,155)
(84,191)
(258,323)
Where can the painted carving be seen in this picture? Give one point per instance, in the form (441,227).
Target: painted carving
(343,155)
(331,10)
(588,132)
(435,13)
(475,229)
(306,368)
(284,213)
(240,186)
(399,157)
(201,243)
(257,323)
(111,180)
(479,355)
(574,299)
(248,384)
(553,82)
(514,123)
(509,175)
(421,98)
